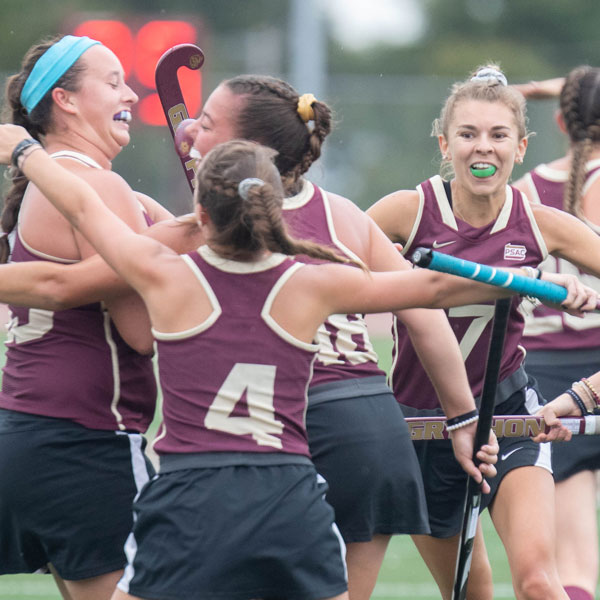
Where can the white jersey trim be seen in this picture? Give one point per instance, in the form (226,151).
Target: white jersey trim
(563,176)
(214,302)
(502,219)
(300,199)
(50,257)
(390,375)
(332,232)
(551,174)
(78,156)
(69,154)
(532,190)
(114,359)
(265,313)
(443,203)
(303,198)
(535,228)
(235,266)
(417,222)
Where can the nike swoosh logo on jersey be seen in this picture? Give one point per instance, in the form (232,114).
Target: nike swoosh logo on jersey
(505,456)
(437,244)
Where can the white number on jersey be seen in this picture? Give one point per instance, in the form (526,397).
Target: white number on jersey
(258,381)
(330,351)
(483,314)
(40,322)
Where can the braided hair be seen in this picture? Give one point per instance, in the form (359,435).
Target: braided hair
(580,108)
(270,117)
(37,123)
(247,218)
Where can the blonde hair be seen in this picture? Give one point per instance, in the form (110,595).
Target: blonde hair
(486,83)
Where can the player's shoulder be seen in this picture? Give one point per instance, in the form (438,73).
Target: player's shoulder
(396,213)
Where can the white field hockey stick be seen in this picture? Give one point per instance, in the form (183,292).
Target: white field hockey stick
(486,413)
(434,428)
(171,96)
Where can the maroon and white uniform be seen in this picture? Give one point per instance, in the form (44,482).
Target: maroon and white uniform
(345,351)
(513,239)
(250,398)
(547,328)
(73,364)
(352,411)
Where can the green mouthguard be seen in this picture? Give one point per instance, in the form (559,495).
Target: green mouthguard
(484,172)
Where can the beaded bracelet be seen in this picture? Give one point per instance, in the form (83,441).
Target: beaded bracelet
(584,393)
(578,401)
(592,389)
(20,149)
(462,420)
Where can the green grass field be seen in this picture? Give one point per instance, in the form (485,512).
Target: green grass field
(403,574)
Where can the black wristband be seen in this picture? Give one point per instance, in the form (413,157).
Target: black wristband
(578,401)
(462,418)
(539,273)
(19,149)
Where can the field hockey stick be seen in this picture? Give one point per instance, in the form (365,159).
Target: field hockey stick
(436,261)
(171,96)
(486,413)
(434,428)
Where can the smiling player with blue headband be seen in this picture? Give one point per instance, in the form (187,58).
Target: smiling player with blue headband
(51,67)
(75,398)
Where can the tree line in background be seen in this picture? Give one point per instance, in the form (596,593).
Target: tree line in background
(384,97)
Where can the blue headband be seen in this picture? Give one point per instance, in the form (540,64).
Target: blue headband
(51,66)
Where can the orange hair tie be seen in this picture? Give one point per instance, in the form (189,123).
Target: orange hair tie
(305,109)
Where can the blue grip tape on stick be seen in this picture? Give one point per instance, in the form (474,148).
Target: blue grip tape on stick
(544,290)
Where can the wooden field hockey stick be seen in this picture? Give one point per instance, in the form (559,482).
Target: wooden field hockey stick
(444,263)
(486,412)
(434,428)
(171,96)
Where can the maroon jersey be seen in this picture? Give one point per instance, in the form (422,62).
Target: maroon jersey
(511,240)
(345,350)
(73,364)
(547,328)
(238,381)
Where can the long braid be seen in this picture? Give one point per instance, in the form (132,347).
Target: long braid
(246,224)
(268,101)
(574,186)
(264,209)
(579,104)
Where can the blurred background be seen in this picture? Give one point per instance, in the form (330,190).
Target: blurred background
(385,66)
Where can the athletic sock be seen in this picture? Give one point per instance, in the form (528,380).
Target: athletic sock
(577,593)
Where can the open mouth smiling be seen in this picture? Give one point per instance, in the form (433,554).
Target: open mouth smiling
(123,116)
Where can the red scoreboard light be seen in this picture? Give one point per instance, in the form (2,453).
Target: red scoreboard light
(139,50)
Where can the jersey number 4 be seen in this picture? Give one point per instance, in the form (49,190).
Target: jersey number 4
(257,383)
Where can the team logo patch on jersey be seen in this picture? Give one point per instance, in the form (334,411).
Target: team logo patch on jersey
(514,252)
